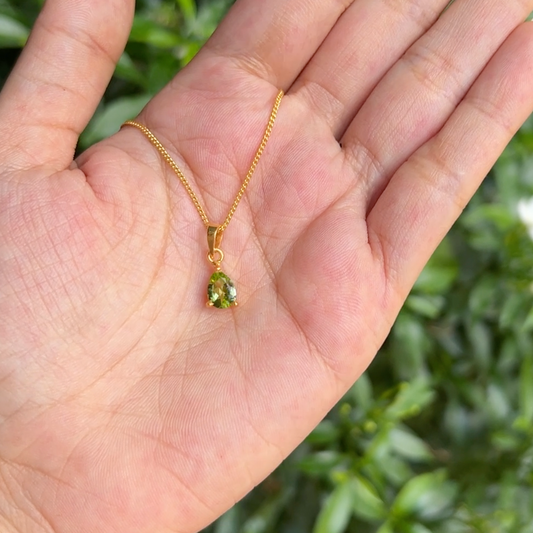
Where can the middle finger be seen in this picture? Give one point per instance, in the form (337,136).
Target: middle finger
(366,41)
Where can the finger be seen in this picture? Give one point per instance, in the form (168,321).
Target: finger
(60,78)
(420,92)
(275,39)
(429,191)
(369,38)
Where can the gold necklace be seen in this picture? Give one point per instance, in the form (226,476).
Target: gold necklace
(221,290)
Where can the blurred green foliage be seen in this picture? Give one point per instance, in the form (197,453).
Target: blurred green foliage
(438,435)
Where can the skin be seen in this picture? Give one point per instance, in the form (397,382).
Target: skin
(125,403)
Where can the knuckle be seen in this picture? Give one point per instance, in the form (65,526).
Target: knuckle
(439,169)
(363,159)
(491,110)
(322,101)
(434,70)
(421,11)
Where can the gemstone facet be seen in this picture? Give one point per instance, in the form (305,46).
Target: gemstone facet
(221,291)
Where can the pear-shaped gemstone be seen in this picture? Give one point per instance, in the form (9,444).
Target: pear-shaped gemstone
(221,291)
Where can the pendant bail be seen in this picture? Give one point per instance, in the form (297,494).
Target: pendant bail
(214,238)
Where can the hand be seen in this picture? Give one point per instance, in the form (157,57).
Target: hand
(127,405)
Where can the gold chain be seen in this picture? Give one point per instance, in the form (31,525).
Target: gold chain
(166,156)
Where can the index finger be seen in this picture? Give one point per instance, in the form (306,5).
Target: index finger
(275,39)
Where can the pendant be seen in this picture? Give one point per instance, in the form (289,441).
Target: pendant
(221,291)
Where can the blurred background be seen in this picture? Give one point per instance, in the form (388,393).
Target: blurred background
(437,436)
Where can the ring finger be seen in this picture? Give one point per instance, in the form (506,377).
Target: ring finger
(366,41)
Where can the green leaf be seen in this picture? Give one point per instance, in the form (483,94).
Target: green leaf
(457,422)
(426,497)
(440,272)
(411,399)
(367,505)
(361,392)
(386,528)
(108,120)
(267,515)
(480,337)
(514,307)
(416,528)
(436,279)
(229,521)
(325,433)
(426,306)
(396,470)
(411,343)
(188,8)
(160,72)
(506,441)
(336,511)
(126,70)
(13,34)
(497,214)
(482,295)
(148,32)
(526,388)
(320,463)
(528,322)
(409,446)
(497,406)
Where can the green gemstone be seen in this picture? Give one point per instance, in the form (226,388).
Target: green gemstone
(221,291)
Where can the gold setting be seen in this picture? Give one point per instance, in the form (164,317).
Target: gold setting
(214,232)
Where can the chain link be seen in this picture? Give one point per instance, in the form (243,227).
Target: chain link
(166,156)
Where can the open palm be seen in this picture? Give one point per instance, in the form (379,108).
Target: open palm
(126,404)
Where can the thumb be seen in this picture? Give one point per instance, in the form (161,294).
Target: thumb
(60,78)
